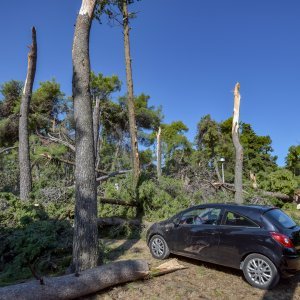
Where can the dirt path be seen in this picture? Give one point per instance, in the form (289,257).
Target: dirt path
(198,281)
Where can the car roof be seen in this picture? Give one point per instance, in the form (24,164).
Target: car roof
(242,208)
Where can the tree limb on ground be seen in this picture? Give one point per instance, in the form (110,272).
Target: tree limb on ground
(117,221)
(278,195)
(86,282)
(61,141)
(118,202)
(113,174)
(7,149)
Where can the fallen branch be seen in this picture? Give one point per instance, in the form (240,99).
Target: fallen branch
(278,195)
(50,157)
(113,174)
(8,149)
(61,141)
(118,202)
(117,221)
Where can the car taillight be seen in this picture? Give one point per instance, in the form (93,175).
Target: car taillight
(282,239)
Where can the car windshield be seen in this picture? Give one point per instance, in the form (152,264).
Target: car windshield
(280,217)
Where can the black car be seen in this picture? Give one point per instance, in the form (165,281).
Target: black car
(262,241)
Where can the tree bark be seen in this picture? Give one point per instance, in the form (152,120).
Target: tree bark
(130,98)
(72,286)
(238,176)
(158,152)
(96,117)
(24,156)
(85,241)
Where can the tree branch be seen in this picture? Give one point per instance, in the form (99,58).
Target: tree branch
(118,202)
(113,174)
(7,149)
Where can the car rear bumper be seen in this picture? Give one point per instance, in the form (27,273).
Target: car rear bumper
(290,265)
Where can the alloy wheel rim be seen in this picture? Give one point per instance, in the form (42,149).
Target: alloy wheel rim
(259,271)
(158,247)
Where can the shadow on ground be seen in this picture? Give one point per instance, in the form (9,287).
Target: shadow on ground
(287,286)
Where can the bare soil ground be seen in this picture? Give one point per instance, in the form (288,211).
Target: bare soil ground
(199,281)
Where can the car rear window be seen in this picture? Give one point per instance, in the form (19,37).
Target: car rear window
(279,217)
(234,219)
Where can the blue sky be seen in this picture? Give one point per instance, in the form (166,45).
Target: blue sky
(187,55)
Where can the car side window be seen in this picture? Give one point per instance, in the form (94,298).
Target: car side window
(234,219)
(200,216)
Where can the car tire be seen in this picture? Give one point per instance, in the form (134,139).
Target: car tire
(158,247)
(260,271)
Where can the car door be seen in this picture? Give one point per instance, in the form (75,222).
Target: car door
(237,235)
(196,234)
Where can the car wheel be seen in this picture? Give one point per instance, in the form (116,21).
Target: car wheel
(260,271)
(158,247)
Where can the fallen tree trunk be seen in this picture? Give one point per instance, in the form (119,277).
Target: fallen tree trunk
(278,195)
(73,286)
(87,282)
(118,202)
(117,221)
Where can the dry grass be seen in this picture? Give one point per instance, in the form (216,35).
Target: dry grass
(198,281)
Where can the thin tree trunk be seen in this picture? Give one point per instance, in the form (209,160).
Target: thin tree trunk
(238,176)
(85,241)
(24,156)
(158,152)
(96,117)
(130,99)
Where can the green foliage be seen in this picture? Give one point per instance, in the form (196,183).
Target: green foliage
(163,198)
(31,238)
(208,136)
(101,87)
(293,160)
(281,180)
(46,106)
(257,151)
(9,172)
(118,188)
(9,109)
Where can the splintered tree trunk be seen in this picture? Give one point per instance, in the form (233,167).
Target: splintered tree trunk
(238,177)
(130,98)
(24,158)
(96,117)
(73,287)
(87,282)
(85,249)
(158,152)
